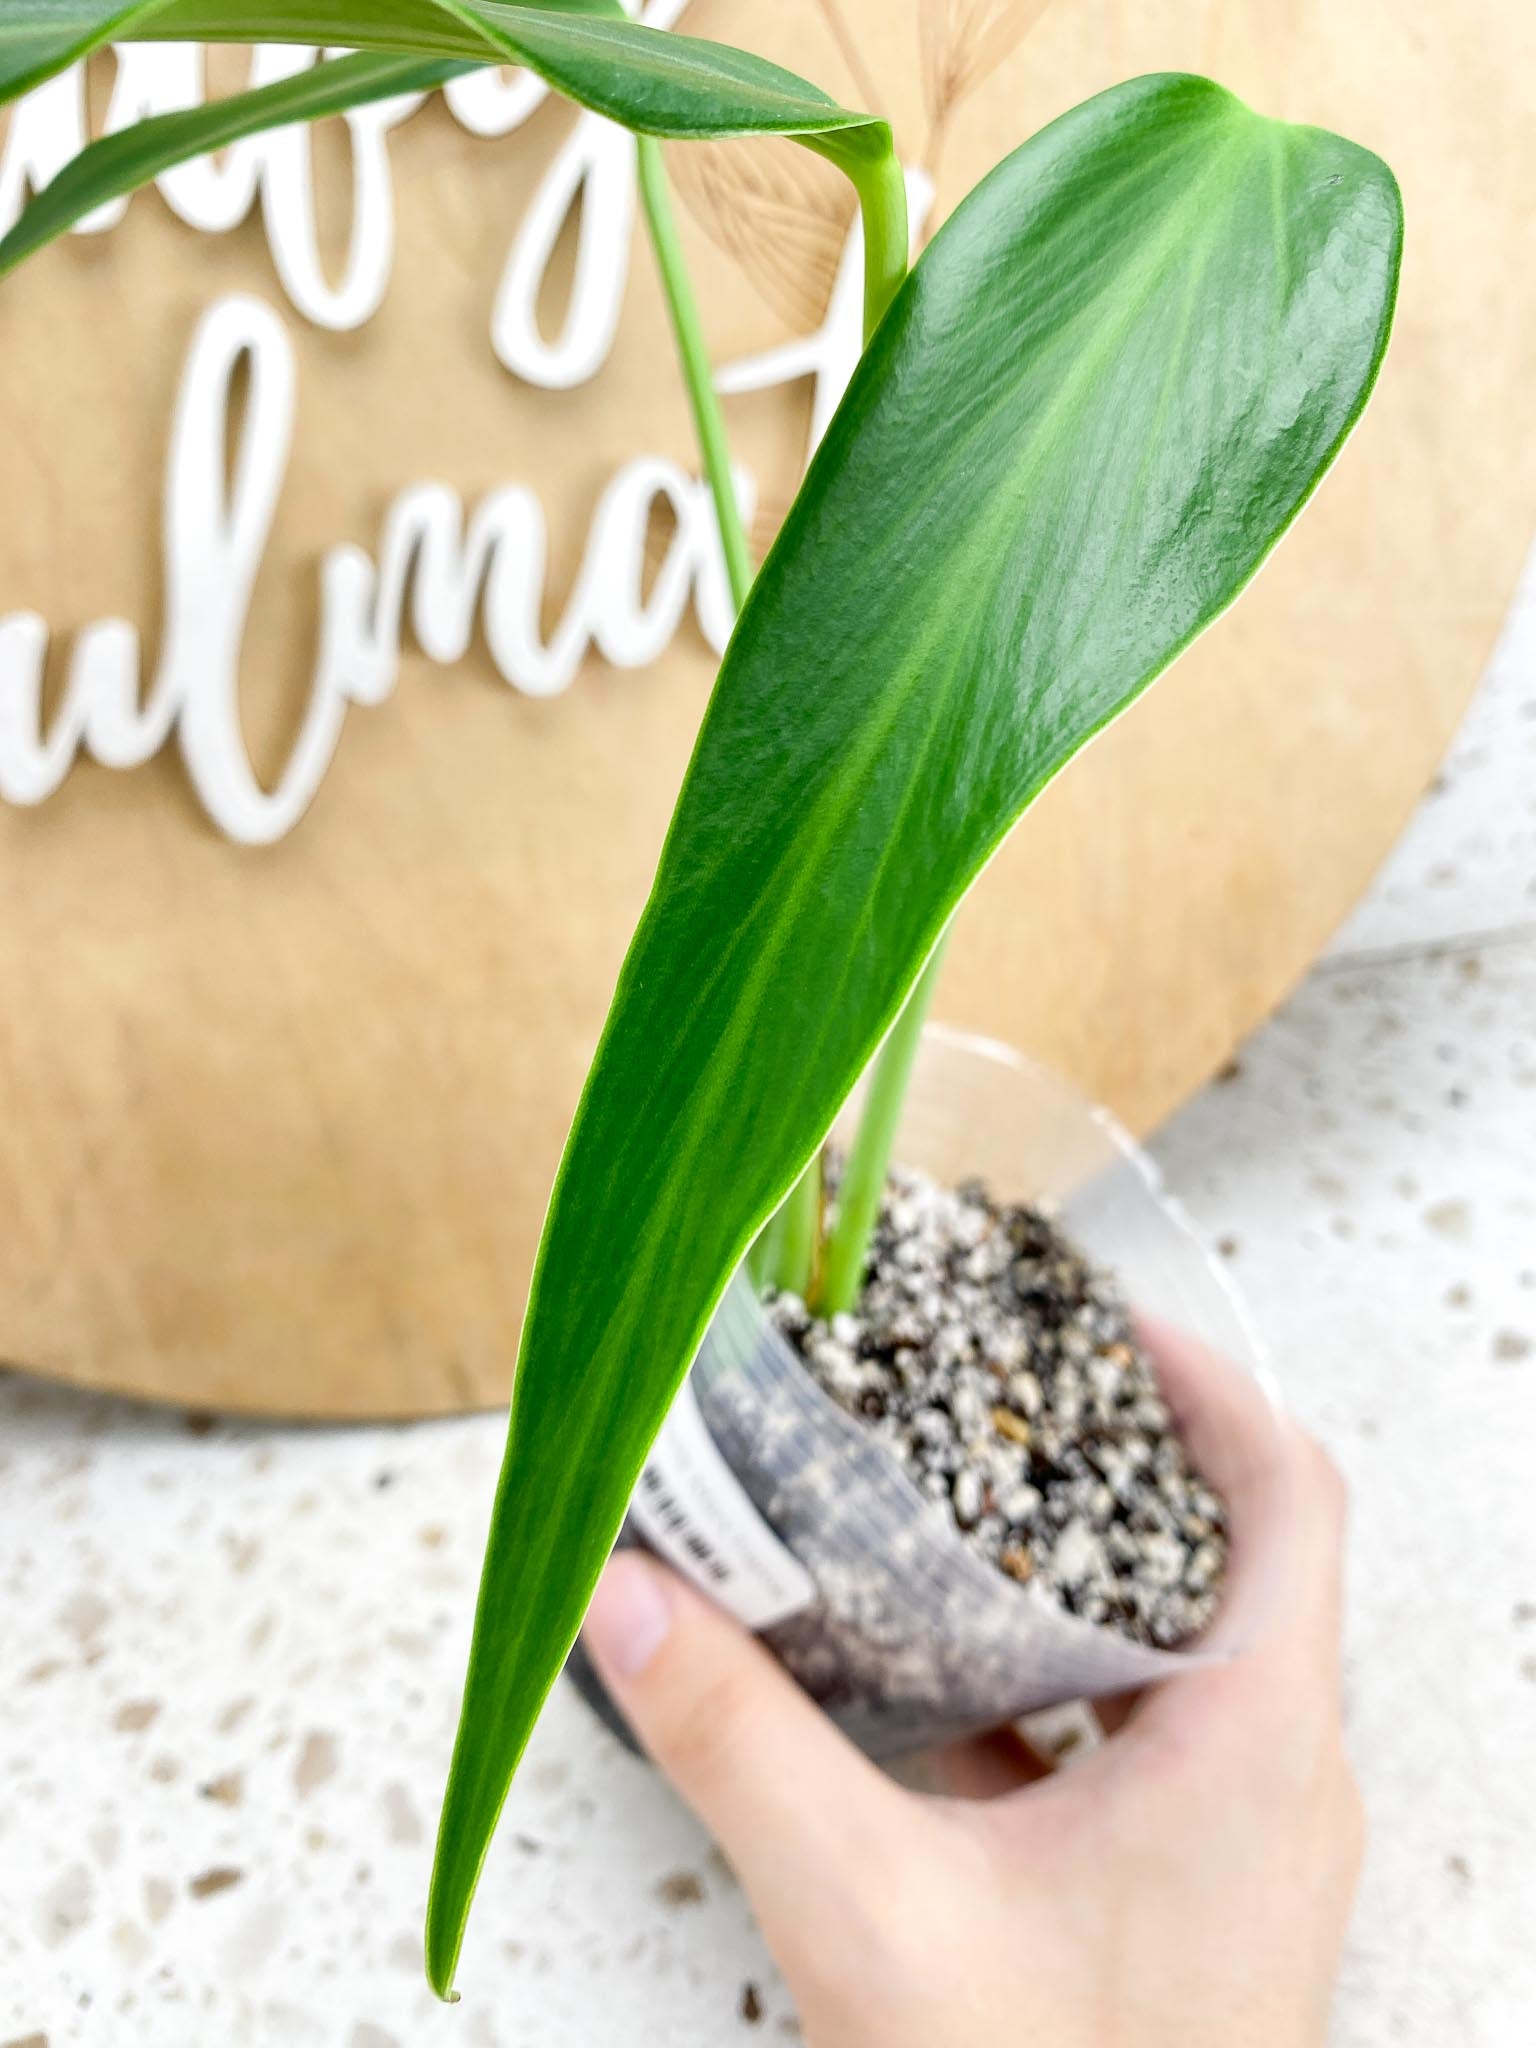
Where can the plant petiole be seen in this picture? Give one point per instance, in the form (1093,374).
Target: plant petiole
(800,1242)
(708,420)
(786,1252)
(869,1156)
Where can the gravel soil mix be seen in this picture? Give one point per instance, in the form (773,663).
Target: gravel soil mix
(1003,1371)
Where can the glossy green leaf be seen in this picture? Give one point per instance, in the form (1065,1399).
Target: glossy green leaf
(121,163)
(1107,389)
(40,37)
(654,81)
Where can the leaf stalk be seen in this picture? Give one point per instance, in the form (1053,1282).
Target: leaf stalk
(698,378)
(882,189)
(785,1255)
(869,1156)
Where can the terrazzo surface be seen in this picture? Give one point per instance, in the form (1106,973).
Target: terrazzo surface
(231,1654)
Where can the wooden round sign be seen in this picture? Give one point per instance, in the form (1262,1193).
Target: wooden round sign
(356,608)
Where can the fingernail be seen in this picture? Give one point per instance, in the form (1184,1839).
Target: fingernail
(630,1615)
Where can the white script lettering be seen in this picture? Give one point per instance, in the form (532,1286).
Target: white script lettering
(434,567)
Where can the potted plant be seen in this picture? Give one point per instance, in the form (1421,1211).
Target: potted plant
(1079,426)
(961,1498)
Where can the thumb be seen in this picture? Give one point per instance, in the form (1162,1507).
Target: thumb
(796,1808)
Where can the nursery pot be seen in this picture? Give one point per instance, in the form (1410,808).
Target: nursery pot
(794,1516)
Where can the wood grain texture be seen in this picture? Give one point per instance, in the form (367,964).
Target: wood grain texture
(277,1126)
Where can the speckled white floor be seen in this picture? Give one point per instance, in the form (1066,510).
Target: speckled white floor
(231,1655)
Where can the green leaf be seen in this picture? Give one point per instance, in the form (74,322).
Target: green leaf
(656,83)
(1105,392)
(653,81)
(40,37)
(123,162)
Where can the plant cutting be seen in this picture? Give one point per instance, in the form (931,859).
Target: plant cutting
(1079,426)
(964,1500)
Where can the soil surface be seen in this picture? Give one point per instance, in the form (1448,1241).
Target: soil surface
(1002,1369)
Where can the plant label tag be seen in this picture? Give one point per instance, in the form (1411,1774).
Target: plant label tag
(693,1511)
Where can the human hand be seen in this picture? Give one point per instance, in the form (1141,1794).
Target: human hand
(1186,1885)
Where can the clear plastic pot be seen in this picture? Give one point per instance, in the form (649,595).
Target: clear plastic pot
(789,1512)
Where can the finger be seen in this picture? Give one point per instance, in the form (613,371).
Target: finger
(1115,1709)
(1285,1501)
(793,1804)
(1226,1418)
(1278,1632)
(984,1767)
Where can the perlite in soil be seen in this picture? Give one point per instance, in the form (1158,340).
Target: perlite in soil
(1003,1371)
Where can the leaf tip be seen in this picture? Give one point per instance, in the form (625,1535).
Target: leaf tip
(447,1914)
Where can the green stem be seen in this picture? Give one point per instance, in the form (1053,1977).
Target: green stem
(768,1250)
(785,1253)
(882,189)
(869,1156)
(708,421)
(800,1241)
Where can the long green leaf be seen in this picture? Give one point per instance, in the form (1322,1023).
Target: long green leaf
(40,37)
(1106,391)
(123,162)
(655,82)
